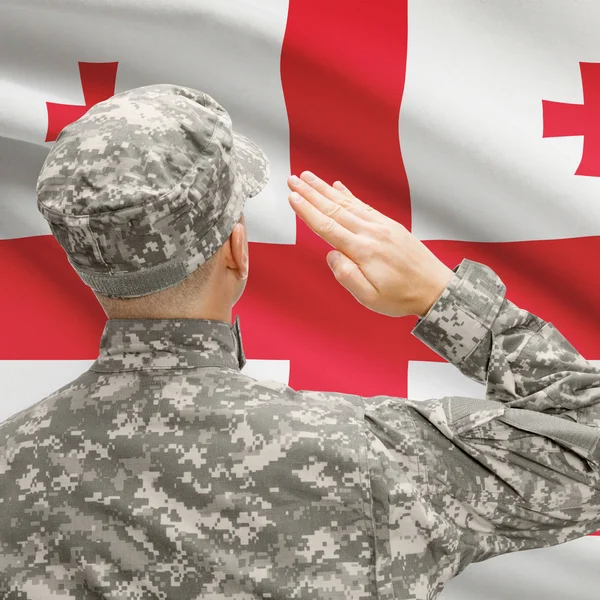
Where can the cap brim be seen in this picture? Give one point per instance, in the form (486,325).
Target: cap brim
(252,165)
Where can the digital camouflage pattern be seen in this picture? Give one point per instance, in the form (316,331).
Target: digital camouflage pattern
(163,472)
(147,186)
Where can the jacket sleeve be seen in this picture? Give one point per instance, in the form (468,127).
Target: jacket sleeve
(520,469)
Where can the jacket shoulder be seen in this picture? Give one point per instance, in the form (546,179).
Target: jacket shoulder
(267,388)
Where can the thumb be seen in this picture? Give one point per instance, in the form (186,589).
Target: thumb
(350,276)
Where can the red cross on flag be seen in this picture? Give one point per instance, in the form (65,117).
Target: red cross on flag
(474,124)
(565,119)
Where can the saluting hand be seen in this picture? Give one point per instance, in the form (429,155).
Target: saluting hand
(382,264)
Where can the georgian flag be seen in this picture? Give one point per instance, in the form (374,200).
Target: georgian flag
(474,124)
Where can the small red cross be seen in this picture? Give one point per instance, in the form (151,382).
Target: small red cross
(565,119)
(98,83)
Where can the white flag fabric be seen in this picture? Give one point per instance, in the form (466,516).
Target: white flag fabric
(472,121)
(473,124)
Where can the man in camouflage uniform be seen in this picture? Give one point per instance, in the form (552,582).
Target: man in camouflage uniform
(165,473)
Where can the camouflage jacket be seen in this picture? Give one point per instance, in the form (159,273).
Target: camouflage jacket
(165,473)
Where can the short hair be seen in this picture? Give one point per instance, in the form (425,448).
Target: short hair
(176,297)
(179,295)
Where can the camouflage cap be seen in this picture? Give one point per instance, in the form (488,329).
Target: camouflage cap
(147,186)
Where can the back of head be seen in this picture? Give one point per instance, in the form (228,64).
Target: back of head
(174,300)
(143,190)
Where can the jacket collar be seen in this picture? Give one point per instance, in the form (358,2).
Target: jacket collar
(140,344)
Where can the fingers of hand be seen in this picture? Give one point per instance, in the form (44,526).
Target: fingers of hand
(338,185)
(366,212)
(342,197)
(340,194)
(337,208)
(326,227)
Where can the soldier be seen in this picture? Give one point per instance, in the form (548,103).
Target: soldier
(164,472)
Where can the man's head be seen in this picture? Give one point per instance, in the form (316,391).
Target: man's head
(145,194)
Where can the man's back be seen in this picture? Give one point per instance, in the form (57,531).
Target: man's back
(163,472)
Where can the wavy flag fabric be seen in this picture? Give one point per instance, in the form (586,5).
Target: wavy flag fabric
(474,124)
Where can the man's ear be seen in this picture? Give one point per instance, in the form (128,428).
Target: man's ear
(237,257)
